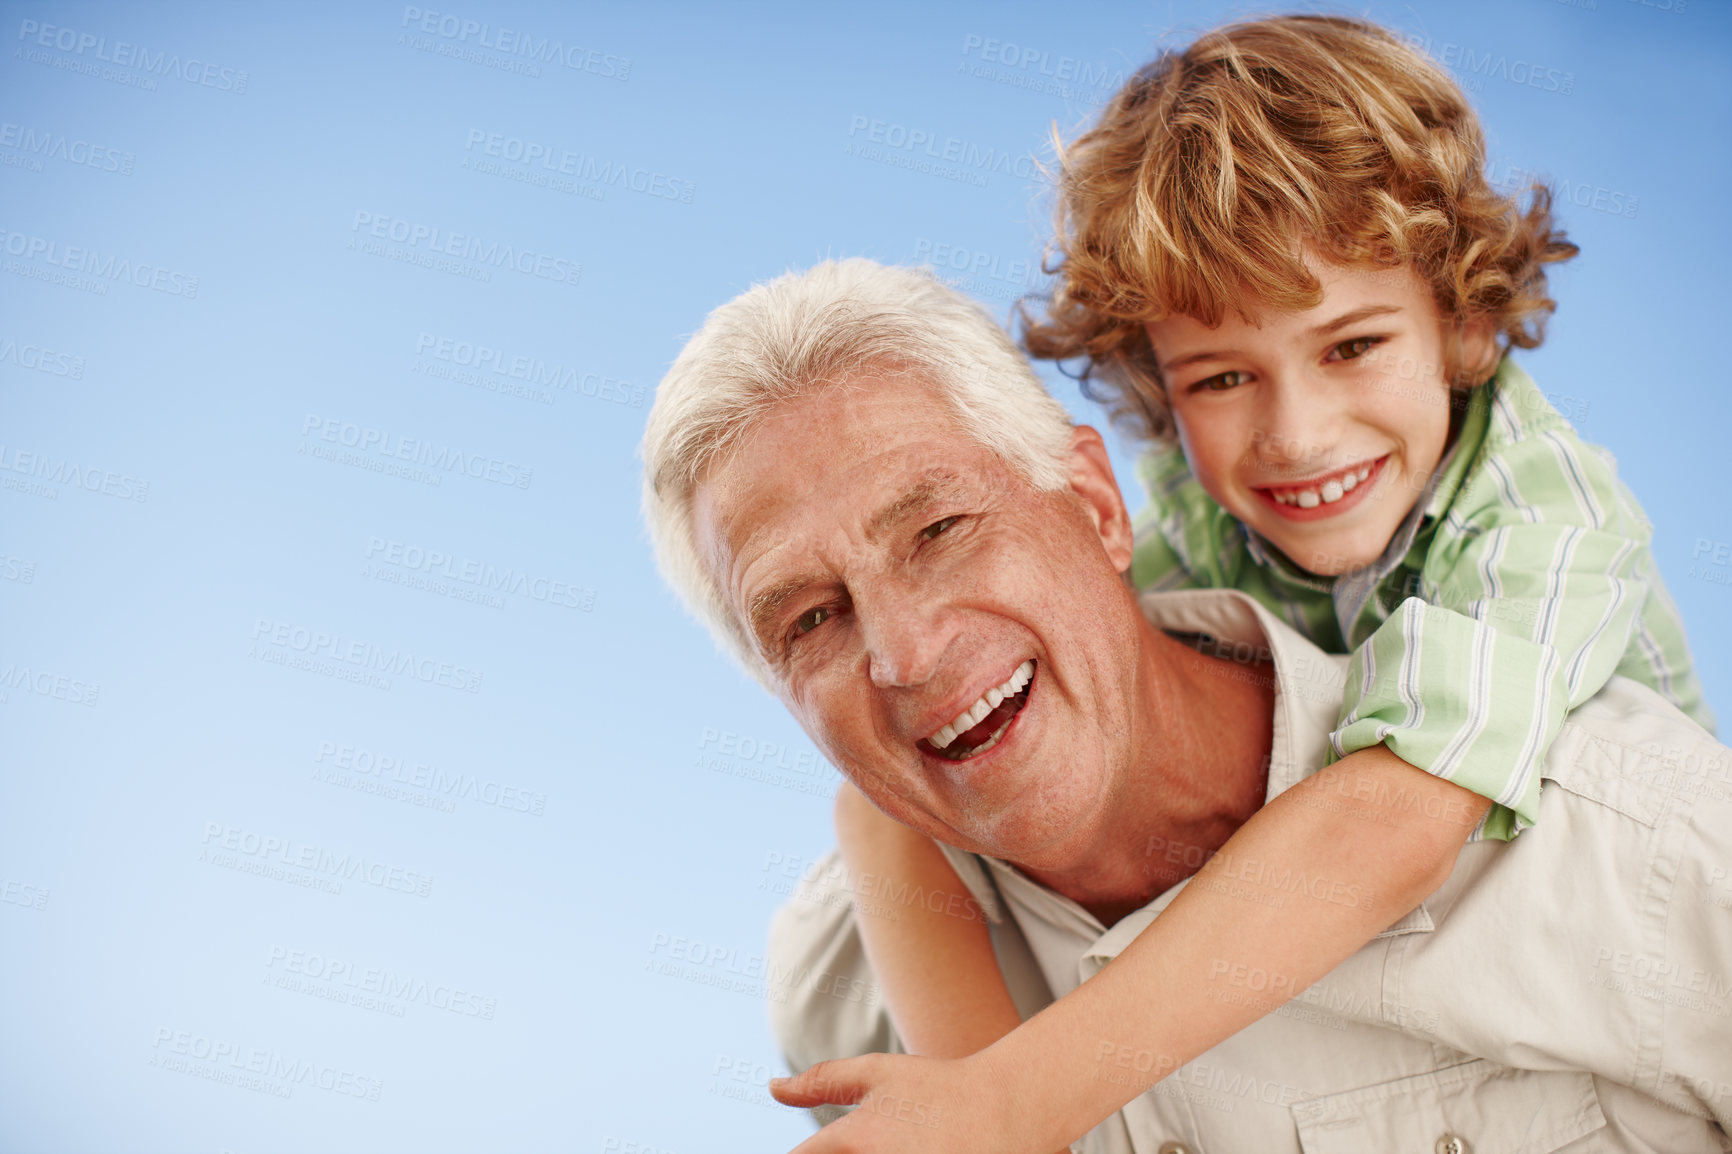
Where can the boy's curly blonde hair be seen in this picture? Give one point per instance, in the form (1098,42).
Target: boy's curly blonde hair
(1215,169)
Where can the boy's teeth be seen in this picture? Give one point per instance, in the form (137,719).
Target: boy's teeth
(1328,493)
(988,701)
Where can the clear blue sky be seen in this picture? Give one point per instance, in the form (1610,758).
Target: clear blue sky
(361,787)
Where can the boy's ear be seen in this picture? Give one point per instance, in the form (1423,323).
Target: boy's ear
(1092,480)
(1476,351)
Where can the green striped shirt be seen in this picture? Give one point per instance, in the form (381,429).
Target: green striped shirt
(1519,583)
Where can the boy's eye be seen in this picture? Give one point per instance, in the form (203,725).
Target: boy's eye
(1220,382)
(810,620)
(937,527)
(1357,347)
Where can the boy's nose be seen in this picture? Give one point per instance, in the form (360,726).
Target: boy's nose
(1292,434)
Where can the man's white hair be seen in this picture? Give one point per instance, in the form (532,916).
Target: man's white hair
(799,333)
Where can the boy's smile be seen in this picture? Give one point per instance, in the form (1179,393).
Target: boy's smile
(1318,428)
(1326,494)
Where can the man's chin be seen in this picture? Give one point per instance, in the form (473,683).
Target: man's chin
(1017,828)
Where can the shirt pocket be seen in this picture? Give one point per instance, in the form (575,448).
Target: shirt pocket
(1477,1107)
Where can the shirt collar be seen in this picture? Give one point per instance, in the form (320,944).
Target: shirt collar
(1352,590)
(1469,439)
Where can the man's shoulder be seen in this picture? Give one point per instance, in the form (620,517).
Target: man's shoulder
(1629,748)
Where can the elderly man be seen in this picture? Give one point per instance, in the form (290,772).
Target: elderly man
(854,479)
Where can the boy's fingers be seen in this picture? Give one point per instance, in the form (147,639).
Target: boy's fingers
(841,1082)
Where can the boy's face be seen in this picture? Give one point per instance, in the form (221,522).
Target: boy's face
(1319,429)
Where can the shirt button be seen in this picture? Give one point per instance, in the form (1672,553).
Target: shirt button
(1173,1148)
(1453,1144)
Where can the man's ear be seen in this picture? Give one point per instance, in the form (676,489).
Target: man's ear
(1092,480)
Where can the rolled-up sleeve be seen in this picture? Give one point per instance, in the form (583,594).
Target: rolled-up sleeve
(1531,594)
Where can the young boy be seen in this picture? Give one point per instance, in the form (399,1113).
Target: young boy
(1280,245)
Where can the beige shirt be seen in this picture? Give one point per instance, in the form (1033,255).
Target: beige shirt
(1568,991)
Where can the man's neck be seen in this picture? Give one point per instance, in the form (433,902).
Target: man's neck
(1201,771)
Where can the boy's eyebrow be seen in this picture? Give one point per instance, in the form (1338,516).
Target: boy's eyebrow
(1352,317)
(1345,320)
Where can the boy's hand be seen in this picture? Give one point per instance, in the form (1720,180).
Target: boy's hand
(907,1105)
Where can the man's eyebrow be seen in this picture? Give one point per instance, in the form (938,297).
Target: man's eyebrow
(767,603)
(934,485)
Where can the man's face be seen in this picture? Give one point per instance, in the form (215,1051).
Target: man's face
(894,575)
(1319,429)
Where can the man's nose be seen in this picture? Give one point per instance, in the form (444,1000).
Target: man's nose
(907,630)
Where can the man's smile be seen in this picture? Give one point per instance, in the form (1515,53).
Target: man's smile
(981,726)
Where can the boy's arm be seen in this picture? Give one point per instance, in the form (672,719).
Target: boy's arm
(1532,593)
(937,969)
(1360,865)
(1300,887)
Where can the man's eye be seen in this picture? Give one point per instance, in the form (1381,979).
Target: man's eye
(937,527)
(1356,348)
(810,620)
(1219,383)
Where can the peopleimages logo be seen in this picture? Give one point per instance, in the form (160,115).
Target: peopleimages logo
(1041,61)
(429,242)
(110,267)
(284,639)
(125,55)
(252,1068)
(224,842)
(417,451)
(510,42)
(66,471)
(48,683)
(40,359)
(972,160)
(399,987)
(47,145)
(588,169)
(481,574)
(486,361)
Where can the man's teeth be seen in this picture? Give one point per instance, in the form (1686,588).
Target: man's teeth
(989,701)
(1327,493)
